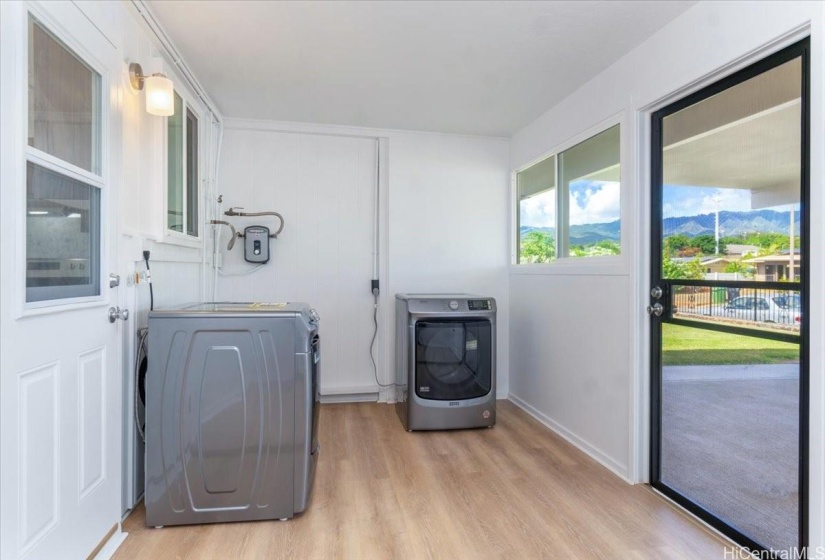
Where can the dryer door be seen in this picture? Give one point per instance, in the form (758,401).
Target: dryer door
(453,358)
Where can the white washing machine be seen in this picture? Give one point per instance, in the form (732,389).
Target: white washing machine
(445,361)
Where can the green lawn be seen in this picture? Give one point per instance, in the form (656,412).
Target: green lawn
(684,346)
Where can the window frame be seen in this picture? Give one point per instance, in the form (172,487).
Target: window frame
(756,62)
(517,209)
(171,236)
(598,264)
(96,179)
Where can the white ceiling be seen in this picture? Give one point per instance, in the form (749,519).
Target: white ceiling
(485,68)
(746,137)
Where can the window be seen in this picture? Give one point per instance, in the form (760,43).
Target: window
(63,172)
(182,171)
(191,174)
(569,203)
(536,188)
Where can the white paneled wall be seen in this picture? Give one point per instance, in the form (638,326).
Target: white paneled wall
(177,271)
(443,228)
(589,321)
(573,369)
(448,217)
(324,187)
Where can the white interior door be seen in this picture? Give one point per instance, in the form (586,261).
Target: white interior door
(60,379)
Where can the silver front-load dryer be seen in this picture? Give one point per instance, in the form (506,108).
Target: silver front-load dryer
(231,415)
(445,361)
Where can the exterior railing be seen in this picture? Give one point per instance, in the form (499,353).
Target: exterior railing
(762,307)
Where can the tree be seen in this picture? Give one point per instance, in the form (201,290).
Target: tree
(733,240)
(676,242)
(537,247)
(599,248)
(682,270)
(607,247)
(769,249)
(707,244)
(689,252)
(739,267)
(769,241)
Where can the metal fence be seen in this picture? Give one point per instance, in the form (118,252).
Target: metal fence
(763,306)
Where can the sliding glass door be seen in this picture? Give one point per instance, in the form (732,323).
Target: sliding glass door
(728,301)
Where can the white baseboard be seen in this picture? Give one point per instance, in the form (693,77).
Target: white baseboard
(362,393)
(354,390)
(349,397)
(594,452)
(111,546)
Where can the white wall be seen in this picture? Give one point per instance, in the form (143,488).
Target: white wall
(448,222)
(324,187)
(177,271)
(605,372)
(443,228)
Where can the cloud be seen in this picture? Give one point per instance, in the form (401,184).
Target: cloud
(692,201)
(594,202)
(539,210)
(591,202)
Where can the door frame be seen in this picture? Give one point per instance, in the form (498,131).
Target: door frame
(790,48)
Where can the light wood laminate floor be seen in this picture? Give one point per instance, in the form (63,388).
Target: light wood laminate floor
(516,491)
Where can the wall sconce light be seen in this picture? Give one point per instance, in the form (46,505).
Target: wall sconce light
(160,98)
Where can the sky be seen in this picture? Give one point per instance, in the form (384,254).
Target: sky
(692,201)
(594,202)
(591,202)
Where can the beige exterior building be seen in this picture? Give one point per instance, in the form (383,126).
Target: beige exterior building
(773,268)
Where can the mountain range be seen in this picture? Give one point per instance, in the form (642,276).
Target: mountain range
(730,224)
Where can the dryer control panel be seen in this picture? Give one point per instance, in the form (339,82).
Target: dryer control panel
(478,304)
(448,303)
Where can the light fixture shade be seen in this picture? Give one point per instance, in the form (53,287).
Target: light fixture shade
(160,96)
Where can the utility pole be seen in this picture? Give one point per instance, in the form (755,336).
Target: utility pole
(717,199)
(791,274)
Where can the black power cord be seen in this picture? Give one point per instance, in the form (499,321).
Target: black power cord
(151,291)
(375,291)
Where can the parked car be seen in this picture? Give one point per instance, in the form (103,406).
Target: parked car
(788,301)
(763,309)
(792,304)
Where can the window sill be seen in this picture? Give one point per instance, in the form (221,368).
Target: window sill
(581,266)
(181,240)
(50,307)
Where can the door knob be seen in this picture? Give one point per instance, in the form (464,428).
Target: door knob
(655,310)
(656,292)
(116,313)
